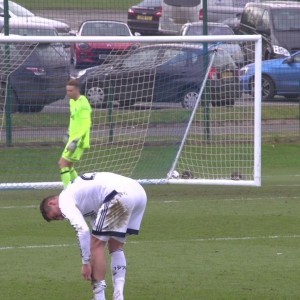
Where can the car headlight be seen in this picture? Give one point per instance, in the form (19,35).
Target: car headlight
(81,73)
(244,71)
(280,50)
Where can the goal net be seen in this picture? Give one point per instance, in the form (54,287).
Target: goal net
(165,110)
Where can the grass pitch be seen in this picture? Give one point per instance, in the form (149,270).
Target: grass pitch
(196,242)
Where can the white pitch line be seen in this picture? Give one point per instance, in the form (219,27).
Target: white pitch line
(217,239)
(22,206)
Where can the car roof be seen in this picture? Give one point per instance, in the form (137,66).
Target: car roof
(275,4)
(103,21)
(26,24)
(208,23)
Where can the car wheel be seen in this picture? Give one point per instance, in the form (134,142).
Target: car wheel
(2,98)
(189,99)
(96,96)
(267,88)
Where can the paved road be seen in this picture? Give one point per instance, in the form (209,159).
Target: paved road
(74,17)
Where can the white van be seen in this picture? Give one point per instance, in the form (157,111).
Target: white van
(175,13)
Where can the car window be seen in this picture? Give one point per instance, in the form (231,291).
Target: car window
(185,3)
(32,31)
(175,57)
(104,29)
(50,53)
(141,59)
(297,58)
(19,10)
(252,16)
(212,30)
(286,20)
(266,19)
(223,58)
(150,3)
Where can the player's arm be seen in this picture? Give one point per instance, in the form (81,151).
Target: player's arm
(76,219)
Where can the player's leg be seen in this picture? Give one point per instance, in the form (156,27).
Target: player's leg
(118,266)
(65,166)
(98,264)
(67,171)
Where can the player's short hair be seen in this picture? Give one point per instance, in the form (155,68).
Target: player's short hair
(44,207)
(74,82)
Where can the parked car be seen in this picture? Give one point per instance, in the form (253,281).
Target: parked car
(21,14)
(234,49)
(162,73)
(87,54)
(234,22)
(279,24)
(221,10)
(144,16)
(30,28)
(175,13)
(279,77)
(37,75)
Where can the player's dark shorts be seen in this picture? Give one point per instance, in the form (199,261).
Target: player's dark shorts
(121,213)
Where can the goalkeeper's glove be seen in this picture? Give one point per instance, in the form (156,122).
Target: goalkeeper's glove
(66,138)
(72,146)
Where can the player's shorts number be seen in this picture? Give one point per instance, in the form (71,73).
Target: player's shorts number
(88,176)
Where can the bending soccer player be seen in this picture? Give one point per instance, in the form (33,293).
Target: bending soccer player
(78,137)
(115,206)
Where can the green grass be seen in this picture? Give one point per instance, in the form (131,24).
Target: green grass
(164,116)
(75,4)
(197,242)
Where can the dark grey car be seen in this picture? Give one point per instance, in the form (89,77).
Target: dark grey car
(162,73)
(37,75)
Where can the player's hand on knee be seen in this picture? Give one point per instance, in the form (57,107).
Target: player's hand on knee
(72,146)
(66,138)
(86,271)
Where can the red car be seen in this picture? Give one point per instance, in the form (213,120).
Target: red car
(144,17)
(90,54)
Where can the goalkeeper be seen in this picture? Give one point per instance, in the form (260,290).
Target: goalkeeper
(78,137)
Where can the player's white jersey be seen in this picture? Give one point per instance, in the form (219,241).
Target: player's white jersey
(84,197)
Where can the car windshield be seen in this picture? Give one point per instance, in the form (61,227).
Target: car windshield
(286,19)
(33,31)
(212,30)
(223,58)
(104,29)
(150,3)
(19,10)
(185,3)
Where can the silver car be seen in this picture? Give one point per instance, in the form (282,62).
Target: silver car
(221,10)
(234,49)
(21,14)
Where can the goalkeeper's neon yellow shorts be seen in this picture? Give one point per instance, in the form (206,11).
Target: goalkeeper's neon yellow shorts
(72,156)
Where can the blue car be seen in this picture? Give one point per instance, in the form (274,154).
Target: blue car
(279,77)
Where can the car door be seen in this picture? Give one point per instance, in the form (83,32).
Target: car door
(171,75)
(287,76)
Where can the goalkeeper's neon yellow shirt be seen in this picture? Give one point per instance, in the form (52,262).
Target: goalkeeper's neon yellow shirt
(80,121)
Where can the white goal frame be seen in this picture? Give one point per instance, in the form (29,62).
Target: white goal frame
(257,39)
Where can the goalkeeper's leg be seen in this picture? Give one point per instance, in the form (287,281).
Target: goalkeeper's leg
(67,171)
(65,168)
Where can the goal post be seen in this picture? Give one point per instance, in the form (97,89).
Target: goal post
(167,110)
